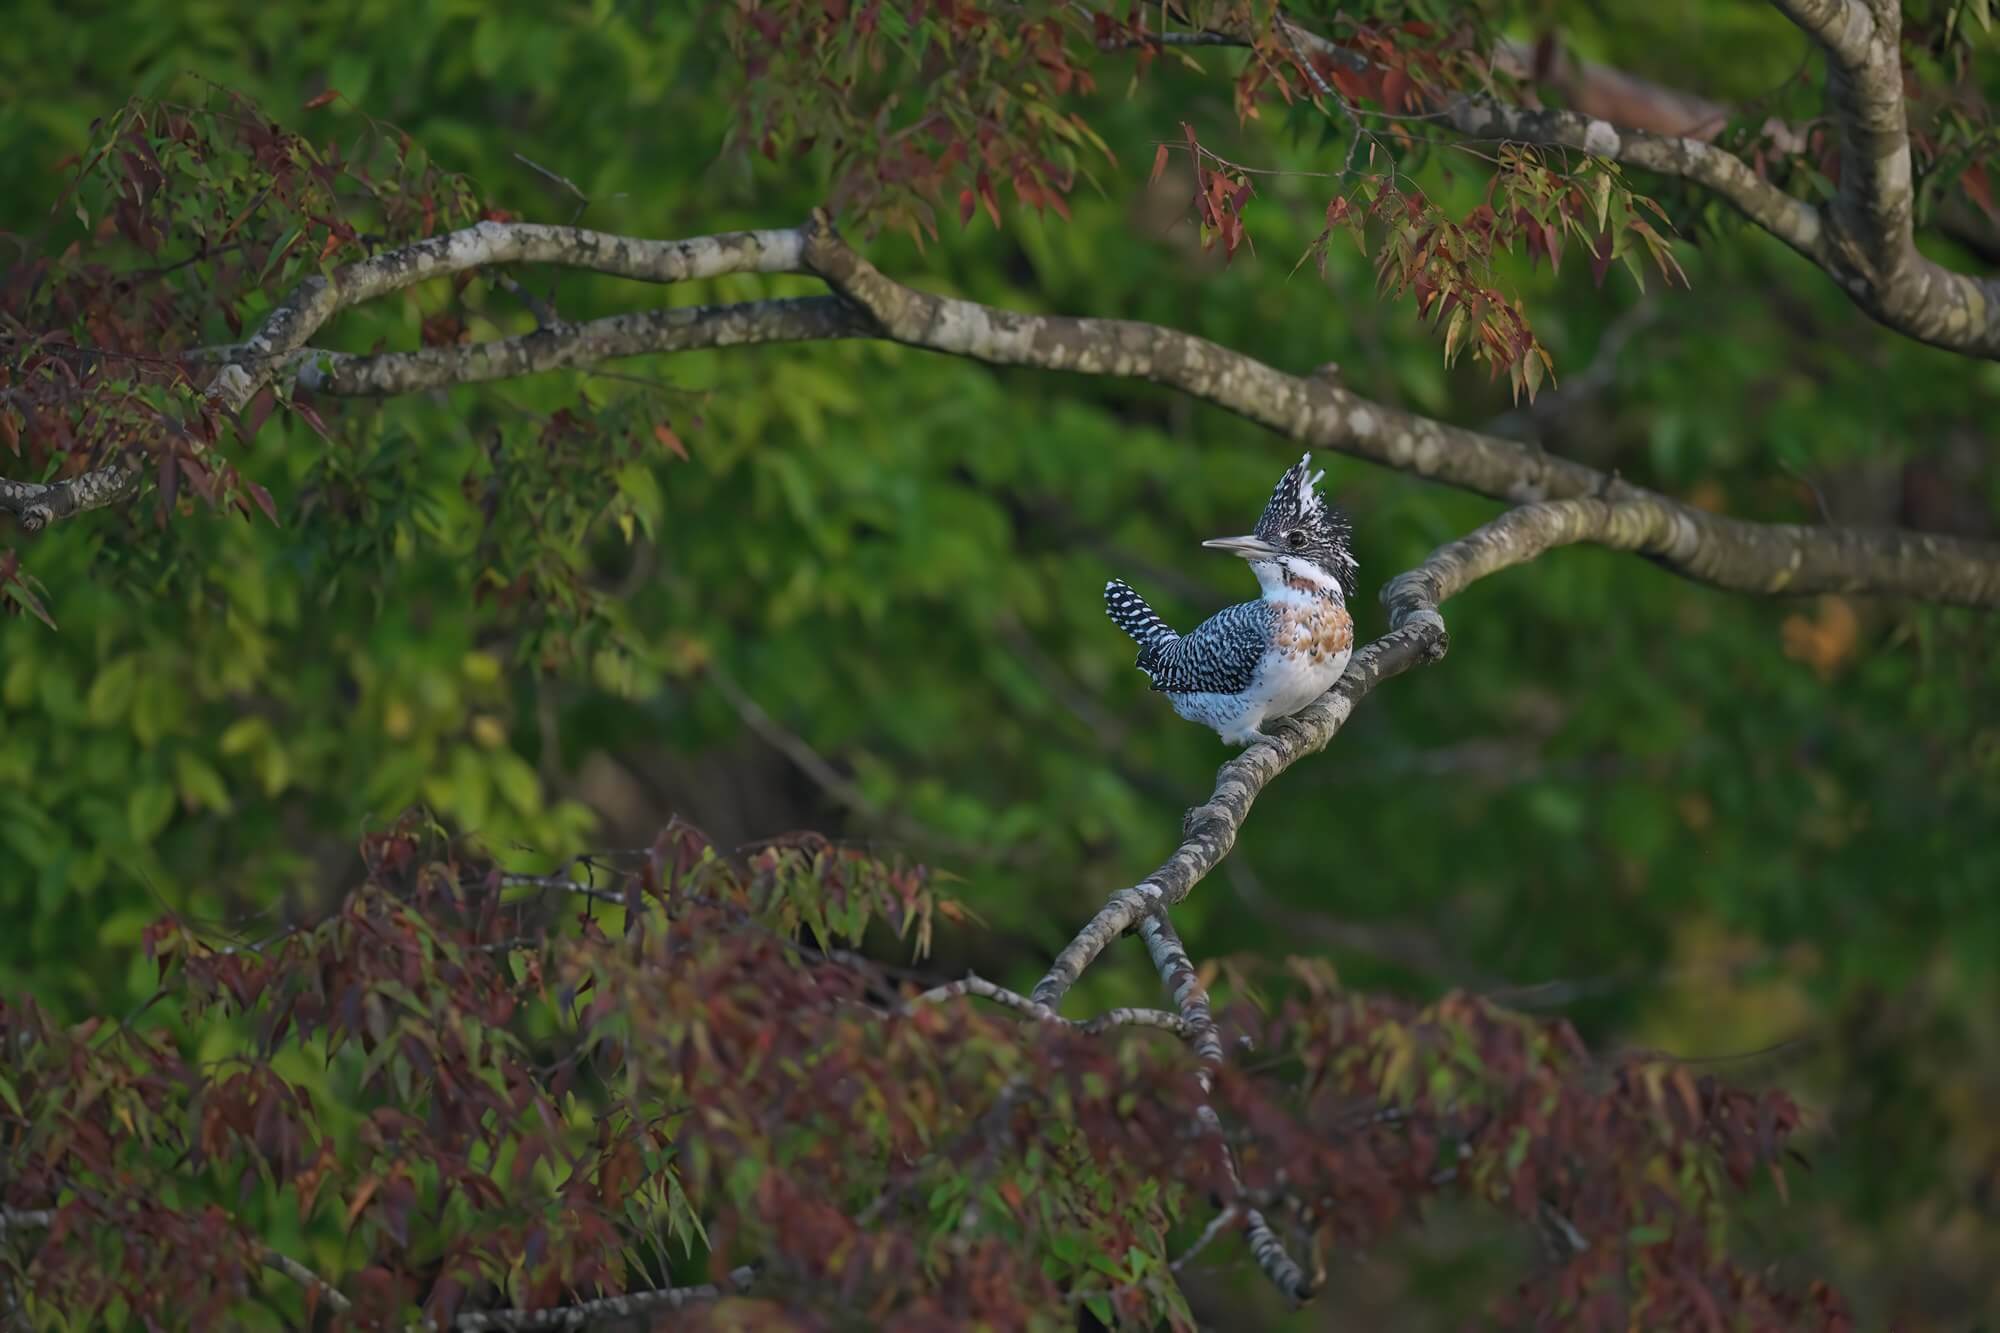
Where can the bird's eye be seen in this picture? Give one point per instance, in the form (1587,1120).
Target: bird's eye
(1295,539)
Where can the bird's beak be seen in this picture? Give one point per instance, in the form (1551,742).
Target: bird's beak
(1250,548)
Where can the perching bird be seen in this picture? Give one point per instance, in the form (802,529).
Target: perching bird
(1264,659)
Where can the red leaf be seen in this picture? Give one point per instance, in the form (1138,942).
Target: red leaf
(966,205)
(1600,258)
(1159,165)
(316,103)
(361,1198)
(256,413)
(312,419)
(1974,183)
(17,587)
(170,483)
(1395,87)
(263,499)
(665,435)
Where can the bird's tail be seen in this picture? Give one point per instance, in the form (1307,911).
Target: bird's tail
(1128,610)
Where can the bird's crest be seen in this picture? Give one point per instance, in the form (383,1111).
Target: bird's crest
(1296,502)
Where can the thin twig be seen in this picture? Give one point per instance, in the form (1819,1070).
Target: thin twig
(1178,975)
(1218,1224)
(974,984)
(562,884)
(631,1305)
(31,1219)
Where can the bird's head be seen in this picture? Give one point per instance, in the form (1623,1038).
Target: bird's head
(1302,540)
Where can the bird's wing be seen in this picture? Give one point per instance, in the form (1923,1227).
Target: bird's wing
(1220,655)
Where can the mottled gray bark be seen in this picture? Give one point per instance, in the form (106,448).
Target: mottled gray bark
(1762,558)
(1728,553)
(564,346)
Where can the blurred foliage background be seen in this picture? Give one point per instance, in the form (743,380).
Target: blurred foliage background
(1757,835)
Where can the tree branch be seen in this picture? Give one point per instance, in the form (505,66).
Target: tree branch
(974,984)
(564,346)
(631,1305)
(1417,634)
(1865,241)
(1793,221)
(1183,983)
(1872,215)
(36,1219)
(318,299)
(1313,410)
(1726,552)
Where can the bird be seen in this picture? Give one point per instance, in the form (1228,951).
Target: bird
(1258,661)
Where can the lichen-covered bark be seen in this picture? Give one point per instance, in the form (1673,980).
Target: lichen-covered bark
(1728,553)
(1731,553)
(561,346)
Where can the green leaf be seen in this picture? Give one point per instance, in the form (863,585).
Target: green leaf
(243,734)
(201,784)
(148,809)
(111,693)
(1455,331)
(519,785)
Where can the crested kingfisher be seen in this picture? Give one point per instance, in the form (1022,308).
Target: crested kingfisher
(1266,659)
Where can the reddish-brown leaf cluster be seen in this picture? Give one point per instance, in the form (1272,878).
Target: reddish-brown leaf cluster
(472,1091)
(1621,1168)
(183,216)
(907,100)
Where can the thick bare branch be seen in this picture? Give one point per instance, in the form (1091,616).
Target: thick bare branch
(1871,219)
(1313,410)
(1729,553)
(1843,28)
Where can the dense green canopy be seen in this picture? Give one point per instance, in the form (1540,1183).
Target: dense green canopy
(856,587)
